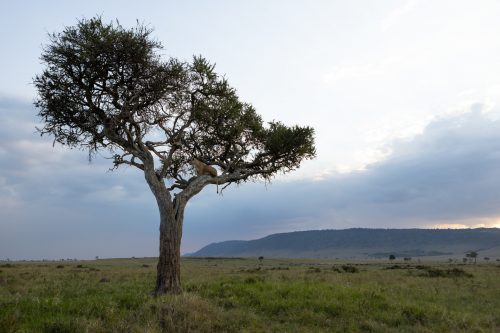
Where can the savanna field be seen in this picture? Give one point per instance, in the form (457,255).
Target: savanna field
(246,295)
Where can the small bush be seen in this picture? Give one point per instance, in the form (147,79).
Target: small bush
(250,280)
(314,270)
(350,269)
(446,273)
(144,265)
(457,272)
(60,266)
(252,270)
(396,267)
(336,269)
(7,265)
(278,269)
(422,267)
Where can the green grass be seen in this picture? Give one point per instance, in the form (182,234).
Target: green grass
(243,295)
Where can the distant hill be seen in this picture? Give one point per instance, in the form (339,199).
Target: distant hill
(363,243)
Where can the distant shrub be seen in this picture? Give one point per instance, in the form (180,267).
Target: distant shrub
(396,267)
(392,257)
(279,269)
(104,280)
(252,270)
(314,270)
(250,280)
(144,265)
(446,273)
(422,267)
(457,272)
(336,269)
(60,266)
(350,269)
(407,258)
(7,265)
(80,266)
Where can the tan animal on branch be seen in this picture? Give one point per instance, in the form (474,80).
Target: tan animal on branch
(204,169)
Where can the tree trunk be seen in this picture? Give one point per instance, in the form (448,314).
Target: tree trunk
(168,278)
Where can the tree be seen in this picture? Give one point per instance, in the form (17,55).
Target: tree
(105,88)
(472,255)
(392,257)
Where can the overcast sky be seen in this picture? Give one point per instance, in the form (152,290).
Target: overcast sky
(404,97)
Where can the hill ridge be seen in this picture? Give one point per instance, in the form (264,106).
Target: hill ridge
(360,242)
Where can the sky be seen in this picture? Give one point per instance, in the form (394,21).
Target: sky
(404,97)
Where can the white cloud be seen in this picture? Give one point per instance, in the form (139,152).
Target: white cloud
(396,15)
(352,72)
(445,175)
(113,194)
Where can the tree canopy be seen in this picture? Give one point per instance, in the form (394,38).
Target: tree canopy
(106,87)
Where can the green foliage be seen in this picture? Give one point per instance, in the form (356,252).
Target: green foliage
(228,295)
(93,70)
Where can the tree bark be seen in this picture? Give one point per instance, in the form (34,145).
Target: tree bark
(168,278)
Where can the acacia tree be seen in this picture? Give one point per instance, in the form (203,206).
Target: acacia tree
(107,88)
(472,255)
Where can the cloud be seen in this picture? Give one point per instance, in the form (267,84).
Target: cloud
(446,175)
(54,204)
(353,72)
(395,15)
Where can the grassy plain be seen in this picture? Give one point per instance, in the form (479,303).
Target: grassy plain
(244,295)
